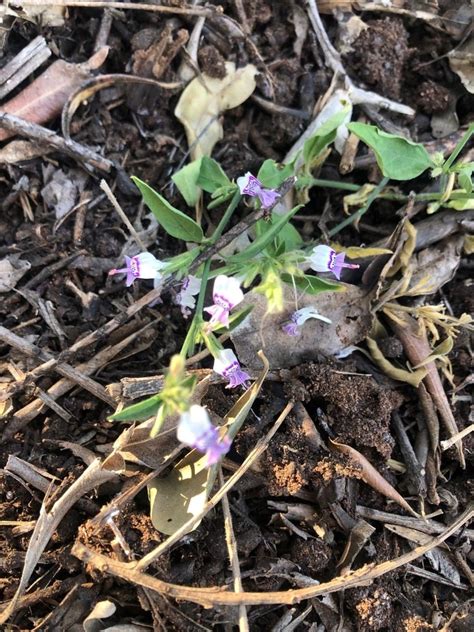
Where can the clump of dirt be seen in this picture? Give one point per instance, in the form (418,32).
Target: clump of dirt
(375,610)
(288,463)
(379,55)
(312,556)
(358,409)
(431,97)
(211,62)
(333,467)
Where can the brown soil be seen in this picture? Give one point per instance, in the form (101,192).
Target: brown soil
(349,401)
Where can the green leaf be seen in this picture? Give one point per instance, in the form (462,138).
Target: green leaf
(264,239)
(182,495)
(324,136)
(139,412)
(465,179)
(186,181)
(176,223)
(211,175)
(272,175)
(397,157)
(311,284)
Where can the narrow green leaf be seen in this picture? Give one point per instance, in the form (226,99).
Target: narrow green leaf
(397,157)
(139,412)
(465,179)
(211,175)
(176,223)
(311,284)
(186,181)
(263,240)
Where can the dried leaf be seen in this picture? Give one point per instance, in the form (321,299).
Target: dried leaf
(410,377)
(21,151)
(439,351)
(44,98)
(435,266)
(357,252)
(205,98)
(372,477)
(461,60)
(102,610)
(182,494)
(12,268)
(41,14)
(351,322)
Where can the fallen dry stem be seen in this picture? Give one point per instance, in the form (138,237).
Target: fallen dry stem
(211,597)
(48,522)
(135,6)
(233,555)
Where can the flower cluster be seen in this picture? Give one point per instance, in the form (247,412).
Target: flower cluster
(196,431)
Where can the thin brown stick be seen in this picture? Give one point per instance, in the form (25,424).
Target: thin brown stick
(194,520)
(233,555)
(132,6)
(45,136)
(211,597)
(121,213)
(31,350)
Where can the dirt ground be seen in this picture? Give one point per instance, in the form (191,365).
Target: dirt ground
(304,513)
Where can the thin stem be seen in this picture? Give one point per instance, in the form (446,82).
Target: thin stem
(357,215)
(333,184)
(188,343)
(459,147)
(226,217)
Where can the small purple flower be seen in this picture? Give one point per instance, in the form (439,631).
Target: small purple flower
(226,294)
(250,185)
(142,266)
(227,365)
(298,318)
(196,431)
(185,297)
(325,259)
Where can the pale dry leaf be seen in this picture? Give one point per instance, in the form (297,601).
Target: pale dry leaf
(461,61)
(205,99)
(21,151)
(12,268)
(402,375)
(102,610)
(51,15)
(351,322)
(435,266)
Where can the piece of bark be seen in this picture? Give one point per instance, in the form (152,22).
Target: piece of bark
(45,97)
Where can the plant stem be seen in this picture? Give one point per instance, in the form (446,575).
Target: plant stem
(358,214)
(225,218)
(459,147)
(188,344)
(334,184)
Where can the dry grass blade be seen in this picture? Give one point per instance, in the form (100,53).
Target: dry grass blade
(211,597)
(48,521)
(372,477)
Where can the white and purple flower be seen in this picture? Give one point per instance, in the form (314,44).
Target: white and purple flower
(196,431)
(325,259)
(227,365)
(142,266)
(298,318)
(250,185)
(185,297)
(226,294)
